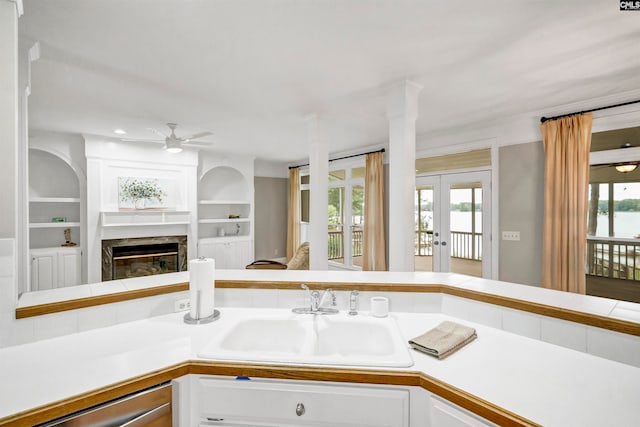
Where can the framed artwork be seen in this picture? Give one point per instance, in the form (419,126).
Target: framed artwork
(146,193)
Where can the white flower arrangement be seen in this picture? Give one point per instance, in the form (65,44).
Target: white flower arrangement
(141,189)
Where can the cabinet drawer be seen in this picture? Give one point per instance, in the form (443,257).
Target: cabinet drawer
(289,404)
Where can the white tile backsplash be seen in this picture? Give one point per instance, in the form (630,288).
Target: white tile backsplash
(233,297)
(292,298)
(427,302)
(474,311)
(96,317)
(563,333)
(264,298)
(16,332)
(521,323)
(613,345)
(130,311)
(164,304)
(55,325)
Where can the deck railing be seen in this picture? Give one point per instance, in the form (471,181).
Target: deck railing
(464,244)
(336,243)
(613,258)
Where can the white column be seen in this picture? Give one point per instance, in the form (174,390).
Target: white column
(8,116)
(402,112)
(318,196)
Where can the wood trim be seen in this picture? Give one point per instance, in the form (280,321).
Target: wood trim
(74,304)
(92,398)
(604,322)
(455,395)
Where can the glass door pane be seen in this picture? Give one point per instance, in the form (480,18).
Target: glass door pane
(465,228)
(424,220)
(336,224)
(357,222)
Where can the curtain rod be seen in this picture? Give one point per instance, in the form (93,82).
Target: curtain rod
(544,119)
(345,157)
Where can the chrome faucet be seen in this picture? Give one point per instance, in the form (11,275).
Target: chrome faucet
(317,302)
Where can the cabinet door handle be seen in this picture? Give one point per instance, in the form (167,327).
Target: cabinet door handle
(300,409)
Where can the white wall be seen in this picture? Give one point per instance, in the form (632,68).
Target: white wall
(8,116)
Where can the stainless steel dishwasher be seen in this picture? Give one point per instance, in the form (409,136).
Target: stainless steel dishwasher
(149,408)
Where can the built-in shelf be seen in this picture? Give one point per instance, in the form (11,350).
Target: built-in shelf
(222,220)
(144,218)
(53,224)
(54,200)
(224,202)
(224,239)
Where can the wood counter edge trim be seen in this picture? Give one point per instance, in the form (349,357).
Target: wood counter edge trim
(92,398)
(599,321)
(95,397)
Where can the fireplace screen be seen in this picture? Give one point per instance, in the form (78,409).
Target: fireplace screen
(144,260)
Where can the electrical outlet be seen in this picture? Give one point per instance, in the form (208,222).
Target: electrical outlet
(182,305)
(511,235)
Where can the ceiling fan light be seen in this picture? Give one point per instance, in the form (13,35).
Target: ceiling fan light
(626,168)
(173,146)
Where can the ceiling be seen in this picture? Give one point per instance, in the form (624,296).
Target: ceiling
(251,70)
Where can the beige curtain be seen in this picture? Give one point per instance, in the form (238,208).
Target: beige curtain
(293,220)
(373,256)
(567,143)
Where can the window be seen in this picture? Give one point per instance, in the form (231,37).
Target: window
(613,221)
(345,213)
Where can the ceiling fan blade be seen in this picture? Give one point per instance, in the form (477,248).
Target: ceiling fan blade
(198,143)
(196,135)
(157,132)
(158,141)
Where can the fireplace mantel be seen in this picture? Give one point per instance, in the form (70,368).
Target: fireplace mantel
(137,218)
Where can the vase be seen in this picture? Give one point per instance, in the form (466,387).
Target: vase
(139,203)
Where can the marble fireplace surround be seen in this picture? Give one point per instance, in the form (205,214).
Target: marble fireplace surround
(108,245)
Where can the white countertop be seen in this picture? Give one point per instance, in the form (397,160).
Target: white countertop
(547,384)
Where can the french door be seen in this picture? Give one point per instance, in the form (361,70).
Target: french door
(453,223)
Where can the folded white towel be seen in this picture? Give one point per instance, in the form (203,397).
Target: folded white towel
(444,339)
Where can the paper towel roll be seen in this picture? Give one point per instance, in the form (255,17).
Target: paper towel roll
(201,279)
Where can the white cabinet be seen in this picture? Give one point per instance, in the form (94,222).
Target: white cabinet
(55,267)
(229,253)
(224,401)
(445,414)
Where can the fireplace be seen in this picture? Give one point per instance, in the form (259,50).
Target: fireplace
(145,256)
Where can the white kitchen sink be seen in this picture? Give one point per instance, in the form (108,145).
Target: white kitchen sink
(308,339)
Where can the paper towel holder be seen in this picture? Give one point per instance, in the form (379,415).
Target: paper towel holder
(200,320)
(191,321)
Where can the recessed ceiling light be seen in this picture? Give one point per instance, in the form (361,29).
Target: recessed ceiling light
(120,131)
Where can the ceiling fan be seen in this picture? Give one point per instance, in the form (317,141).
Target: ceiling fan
(174,143)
